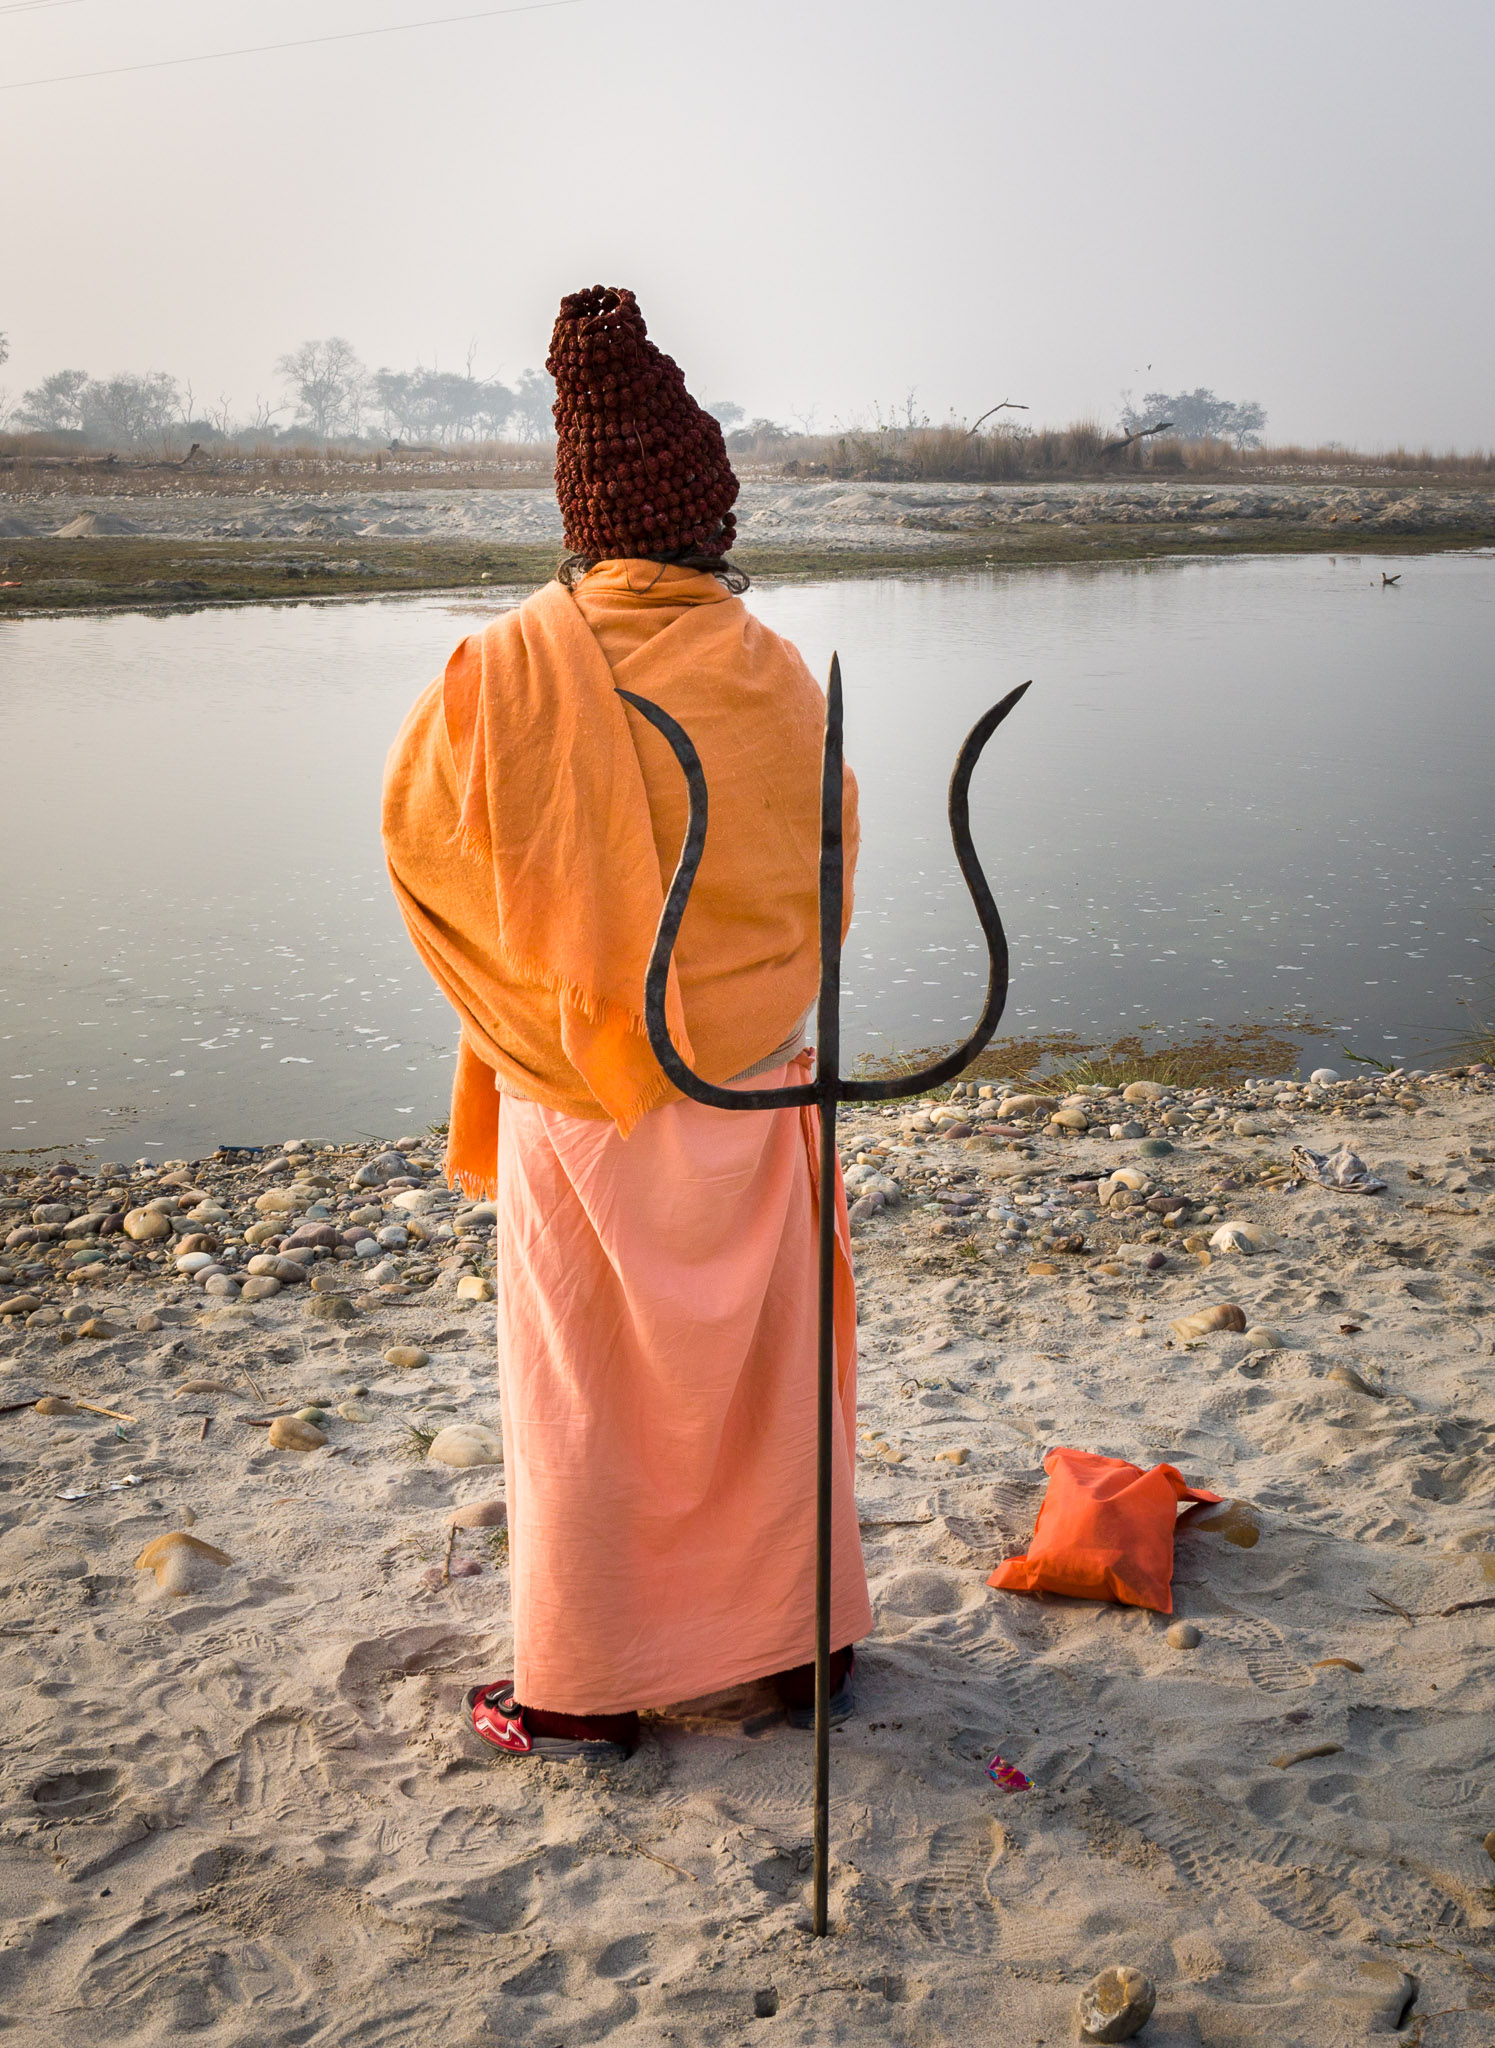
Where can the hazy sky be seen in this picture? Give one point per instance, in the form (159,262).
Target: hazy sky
(821,203)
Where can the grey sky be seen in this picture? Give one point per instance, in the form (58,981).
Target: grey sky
(821,203)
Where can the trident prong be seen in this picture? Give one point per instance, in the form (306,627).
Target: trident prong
(826,1090)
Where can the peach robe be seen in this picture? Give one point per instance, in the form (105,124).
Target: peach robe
(657,1337)
(657,1353)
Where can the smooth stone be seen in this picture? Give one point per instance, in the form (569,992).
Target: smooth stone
(463,1444)
(956,1457)
(463,1568)
(1321,1077)
(355,1411)
(56,1404)
(222,1285)
(1346,1376)
(1070,1120)
(1115,2005)
(481,1514)
(1183,1636)
(365,1248)
(276,1202)
(313,1413)
(197,1241)
(260,1287)
(480,1215)
(331,1308)
(406,1356)
(96,1326)
(1154,1148)
(473,1287)
(290,1433)
(1128,1130)
(146,1226)
(194,1262)
(182,1563)
(1204,1322)
(384,1273)
(336,1279)
(1259,1338)
(43,1318)
(21,1305)
(209,1212)
(393,1237)
(1023,1105)
(1143,1091)
(1236,1237)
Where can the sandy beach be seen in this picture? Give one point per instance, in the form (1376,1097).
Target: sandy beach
(238,1804)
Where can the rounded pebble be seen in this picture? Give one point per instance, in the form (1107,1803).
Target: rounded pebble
(1115,2005)
(290,1433)
(1321,1077)
(1183,1636)
(466,1443)
(406,1357)
(146,1226)
(481,1514)
(473,1287)
(1260,1338)
(259,1288)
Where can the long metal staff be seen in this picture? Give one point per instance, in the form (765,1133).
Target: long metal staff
(826,1090)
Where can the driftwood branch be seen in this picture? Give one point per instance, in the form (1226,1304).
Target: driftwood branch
(1144,434)
(1007,405)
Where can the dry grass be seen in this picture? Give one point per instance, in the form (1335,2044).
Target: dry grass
(42,465)
(1084,450)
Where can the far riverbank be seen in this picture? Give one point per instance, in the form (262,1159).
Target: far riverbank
(88,552)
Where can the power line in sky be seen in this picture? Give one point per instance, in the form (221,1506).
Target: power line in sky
(352,35)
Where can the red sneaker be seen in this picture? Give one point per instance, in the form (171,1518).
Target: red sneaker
(495,1715)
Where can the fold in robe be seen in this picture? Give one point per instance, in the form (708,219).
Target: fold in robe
(657,1365)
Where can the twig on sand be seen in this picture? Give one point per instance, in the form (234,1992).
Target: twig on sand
(446,1562)
(1395,1606)
(663,1861)
(252,1387)
(1463,1607)
(204,1430)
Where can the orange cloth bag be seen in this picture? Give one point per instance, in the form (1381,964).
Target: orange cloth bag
(1104,1532)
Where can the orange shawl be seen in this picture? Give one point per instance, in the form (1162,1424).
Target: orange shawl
(531,823)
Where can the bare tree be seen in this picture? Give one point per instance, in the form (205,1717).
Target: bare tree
(534,397)
(327,380)
(56,404)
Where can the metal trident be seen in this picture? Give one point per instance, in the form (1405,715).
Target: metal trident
(826,1090)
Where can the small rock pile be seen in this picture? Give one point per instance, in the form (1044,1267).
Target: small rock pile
(240,1226)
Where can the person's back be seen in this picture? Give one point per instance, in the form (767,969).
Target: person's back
(655,1258)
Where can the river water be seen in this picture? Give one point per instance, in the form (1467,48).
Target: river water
(1237,791)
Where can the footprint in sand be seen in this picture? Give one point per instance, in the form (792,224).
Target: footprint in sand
(952,1907)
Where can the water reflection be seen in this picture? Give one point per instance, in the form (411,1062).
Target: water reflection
(1235,789)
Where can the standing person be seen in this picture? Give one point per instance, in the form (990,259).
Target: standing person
(655,1257)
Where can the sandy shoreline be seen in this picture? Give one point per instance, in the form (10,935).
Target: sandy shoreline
(246,1811)
(64,553)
